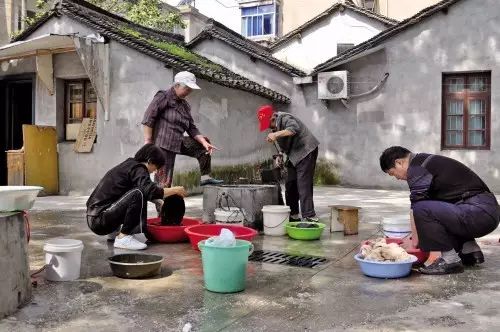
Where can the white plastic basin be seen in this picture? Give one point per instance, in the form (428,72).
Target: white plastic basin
(397,226)
(233,215)
(18,198)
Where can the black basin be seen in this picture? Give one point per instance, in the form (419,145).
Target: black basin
(135,266)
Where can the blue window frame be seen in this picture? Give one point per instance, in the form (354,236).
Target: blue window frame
(259,21)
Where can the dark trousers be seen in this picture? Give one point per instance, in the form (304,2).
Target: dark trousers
(191,148)
(443,226)
(130,210)
(299,185)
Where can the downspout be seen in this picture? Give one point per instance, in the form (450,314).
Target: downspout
(107,81)
(275,20)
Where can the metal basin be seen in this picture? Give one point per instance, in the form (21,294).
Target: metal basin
(135,266)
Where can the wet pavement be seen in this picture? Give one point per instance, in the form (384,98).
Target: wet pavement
(334,297)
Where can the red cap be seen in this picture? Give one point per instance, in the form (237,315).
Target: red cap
(264,114)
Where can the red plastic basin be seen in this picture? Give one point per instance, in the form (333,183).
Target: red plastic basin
(170,234)
(198,233)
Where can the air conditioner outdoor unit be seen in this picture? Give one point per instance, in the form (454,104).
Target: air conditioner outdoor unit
(333,85)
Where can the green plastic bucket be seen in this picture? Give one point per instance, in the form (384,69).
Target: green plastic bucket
(225,268)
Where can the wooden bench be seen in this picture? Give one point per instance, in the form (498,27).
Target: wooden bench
(344,218)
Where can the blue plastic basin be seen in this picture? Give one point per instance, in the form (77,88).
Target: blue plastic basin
(385,270)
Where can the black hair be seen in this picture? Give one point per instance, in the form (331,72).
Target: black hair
(152,154)
(389,156)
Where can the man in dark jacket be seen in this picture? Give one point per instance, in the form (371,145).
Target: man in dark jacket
(301,149)
(451,206)
(120,199)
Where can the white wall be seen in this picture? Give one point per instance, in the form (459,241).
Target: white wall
(226,12)
(226,116)
(319,42)
(407,109)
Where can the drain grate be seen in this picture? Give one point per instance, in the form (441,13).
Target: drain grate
(276,257)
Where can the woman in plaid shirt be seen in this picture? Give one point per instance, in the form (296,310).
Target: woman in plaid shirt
(165,121)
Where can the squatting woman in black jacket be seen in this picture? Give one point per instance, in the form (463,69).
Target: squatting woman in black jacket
(120,199)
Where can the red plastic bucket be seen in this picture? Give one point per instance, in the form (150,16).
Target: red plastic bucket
(170,234)
(198,233)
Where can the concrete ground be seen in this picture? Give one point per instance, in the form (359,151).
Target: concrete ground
(277,298)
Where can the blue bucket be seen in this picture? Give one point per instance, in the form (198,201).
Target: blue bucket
(386,269)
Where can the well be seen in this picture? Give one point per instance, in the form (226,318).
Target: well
(249,197)
(16,283)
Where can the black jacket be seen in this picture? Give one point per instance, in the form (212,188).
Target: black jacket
(117,182)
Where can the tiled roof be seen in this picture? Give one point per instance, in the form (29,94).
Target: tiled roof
(333,9)
(219,31)
(384,35)
(166,47)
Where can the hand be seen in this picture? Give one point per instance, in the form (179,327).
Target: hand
(209,147)
(271,137)
(175,191)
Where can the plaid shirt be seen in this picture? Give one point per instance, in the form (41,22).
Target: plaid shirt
(169,116)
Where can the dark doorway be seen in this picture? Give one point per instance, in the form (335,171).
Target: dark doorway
(16,109)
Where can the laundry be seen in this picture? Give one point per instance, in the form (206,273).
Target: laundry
(306,225)
(379,251)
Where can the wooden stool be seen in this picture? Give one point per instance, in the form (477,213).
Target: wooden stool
(344,218)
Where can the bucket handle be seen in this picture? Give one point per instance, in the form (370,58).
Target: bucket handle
(250,251)
(278,225)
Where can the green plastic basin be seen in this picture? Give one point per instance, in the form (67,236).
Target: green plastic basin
(304,233)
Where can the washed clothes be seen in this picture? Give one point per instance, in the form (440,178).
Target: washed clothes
(119,198)
(298,146)
(451,204)
(169,116)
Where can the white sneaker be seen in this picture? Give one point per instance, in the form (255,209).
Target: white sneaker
(128,242)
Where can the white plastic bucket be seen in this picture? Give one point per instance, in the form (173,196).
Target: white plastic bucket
(63,259)
(397,227)
(233,216)
(275,219)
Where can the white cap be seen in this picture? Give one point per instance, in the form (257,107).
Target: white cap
(187,78)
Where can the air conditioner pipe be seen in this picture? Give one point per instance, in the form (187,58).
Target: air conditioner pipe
(375,88)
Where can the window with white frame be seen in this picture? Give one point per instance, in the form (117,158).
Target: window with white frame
(259,21)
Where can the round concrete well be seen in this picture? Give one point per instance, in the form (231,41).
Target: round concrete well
(250,197)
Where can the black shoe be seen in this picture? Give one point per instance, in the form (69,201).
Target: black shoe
(294,219)
(473,258)
(440,267)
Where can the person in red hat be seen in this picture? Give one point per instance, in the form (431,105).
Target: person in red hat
(301,148)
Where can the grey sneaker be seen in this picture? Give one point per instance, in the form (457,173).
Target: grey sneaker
(311,219)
